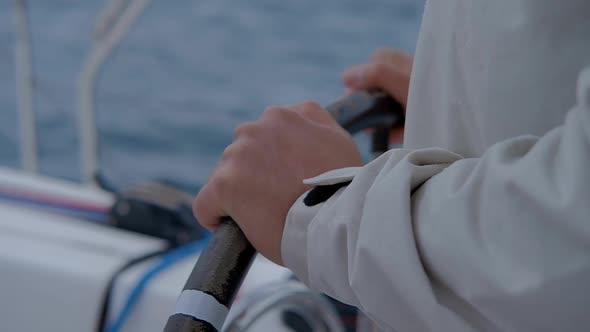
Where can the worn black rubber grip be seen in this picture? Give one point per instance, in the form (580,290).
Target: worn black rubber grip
(367,109)
(220,269)
(223,265)
(219,272)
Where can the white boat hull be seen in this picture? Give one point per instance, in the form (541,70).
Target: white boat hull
(54,269)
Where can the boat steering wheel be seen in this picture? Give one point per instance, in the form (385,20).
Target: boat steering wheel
(211,287)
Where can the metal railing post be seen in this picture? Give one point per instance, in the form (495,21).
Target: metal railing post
(25,87)
(112,30)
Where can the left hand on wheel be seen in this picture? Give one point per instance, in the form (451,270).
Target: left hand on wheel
(260,174)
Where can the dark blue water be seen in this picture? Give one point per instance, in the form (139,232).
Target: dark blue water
(187,74)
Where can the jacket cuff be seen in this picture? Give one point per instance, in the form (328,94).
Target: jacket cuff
(294,245)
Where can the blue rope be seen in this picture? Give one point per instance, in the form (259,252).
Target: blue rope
(167,260)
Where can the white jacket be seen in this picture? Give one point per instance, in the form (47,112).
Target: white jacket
(482,222)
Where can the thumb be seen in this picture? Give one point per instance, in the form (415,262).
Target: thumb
(378,76)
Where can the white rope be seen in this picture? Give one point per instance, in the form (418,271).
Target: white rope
(109,38)
(24,87)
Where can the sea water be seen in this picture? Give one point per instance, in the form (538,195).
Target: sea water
(187,74)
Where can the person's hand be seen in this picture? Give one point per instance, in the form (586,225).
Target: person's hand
(388,70)
(260,174)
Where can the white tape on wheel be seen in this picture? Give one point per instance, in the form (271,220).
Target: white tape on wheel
(202,306)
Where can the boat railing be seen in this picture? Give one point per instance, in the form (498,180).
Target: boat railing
(112,26)
(114,23)
(25,87)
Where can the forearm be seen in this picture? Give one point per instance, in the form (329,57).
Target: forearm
(352,248)
(425,240)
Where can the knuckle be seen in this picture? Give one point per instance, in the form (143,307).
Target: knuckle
(376,71)
(274,116)
(370,71)
(275,112)
(380,69)
(391,55)
(229,152)
(311,106)
(307,109)
(246,129)
(236,150)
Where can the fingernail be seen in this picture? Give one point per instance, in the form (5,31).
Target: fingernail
(354,76)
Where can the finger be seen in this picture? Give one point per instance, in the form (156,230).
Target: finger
(378,76)
(250,129)
(206,208)
(354,77)
(314,112)
(396,136)
(279,113)
(392,56)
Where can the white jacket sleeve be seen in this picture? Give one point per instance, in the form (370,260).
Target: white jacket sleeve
(425,240)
